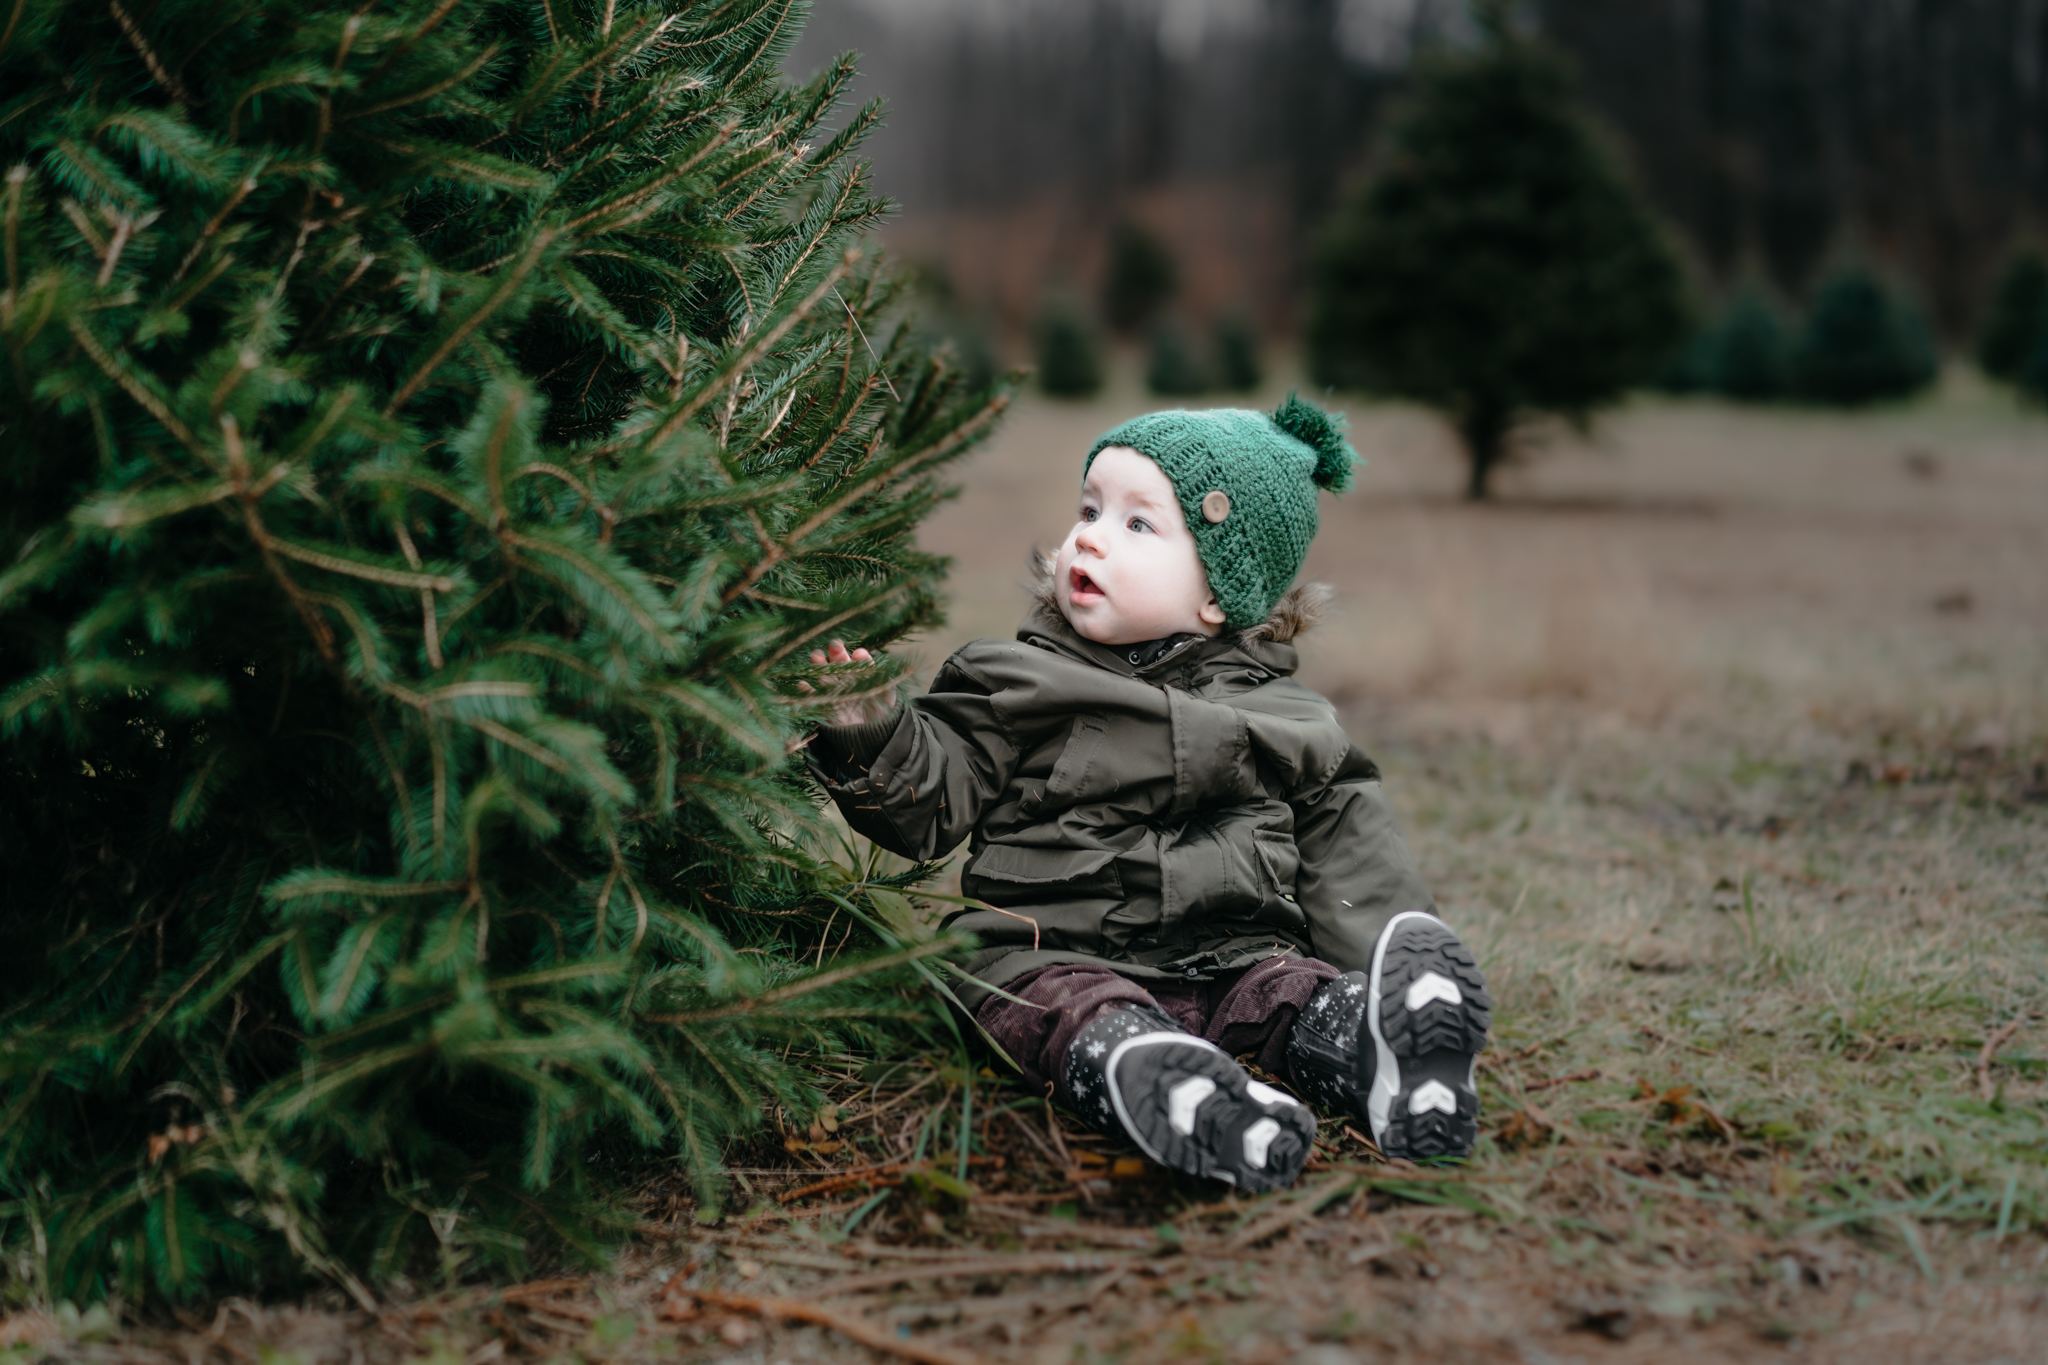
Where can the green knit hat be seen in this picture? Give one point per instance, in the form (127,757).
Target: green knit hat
(1247,484)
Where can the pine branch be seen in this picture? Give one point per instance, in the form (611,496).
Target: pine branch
(374,501)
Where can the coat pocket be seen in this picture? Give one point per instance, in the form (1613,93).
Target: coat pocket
(1280,860)
(1092,870)
(1231,875)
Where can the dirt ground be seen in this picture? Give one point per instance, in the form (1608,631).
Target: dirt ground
(1723,737)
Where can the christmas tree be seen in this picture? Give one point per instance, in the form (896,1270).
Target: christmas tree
(436,433)
(1500,264)
(1140,280)
(1069,361)
(2017,322)
(1750,355)
(1863,342)
(1237,355)
(1173,369)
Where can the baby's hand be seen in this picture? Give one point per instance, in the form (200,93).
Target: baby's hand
(859,710)
(838,655)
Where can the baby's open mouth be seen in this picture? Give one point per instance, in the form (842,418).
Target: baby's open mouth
(1080,585)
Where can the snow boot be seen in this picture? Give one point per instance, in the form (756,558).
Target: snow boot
(1396,1045)
(1185,1102)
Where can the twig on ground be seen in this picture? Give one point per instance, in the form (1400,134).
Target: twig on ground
(761,1249)
(1364,1141)
(559,1317)
(1065,1263)
(792,1310)
(541,1289)
(1028,1225)
(1592,1075)
(882,1109)
(875,1251)
(1665,1039)
(1306,1205)
(1991,1046)
(793,1215)
(1052,1128)
(1032,1133)
(839,1180)
(1495,1060)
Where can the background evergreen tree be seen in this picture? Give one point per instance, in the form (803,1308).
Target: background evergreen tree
(2032,378)
(1691,367)
(435,434)
(1750,353)
(948,325)
(1140,280)
(2017,321)
(1501,263)
(1069,360)
(1174,369)
(1237,355)
(1863,341)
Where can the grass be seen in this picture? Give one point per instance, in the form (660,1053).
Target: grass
(1725,742)
(1759,972)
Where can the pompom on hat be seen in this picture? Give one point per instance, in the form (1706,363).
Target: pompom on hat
(1247,485)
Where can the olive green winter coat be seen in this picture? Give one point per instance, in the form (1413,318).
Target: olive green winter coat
(1174,820)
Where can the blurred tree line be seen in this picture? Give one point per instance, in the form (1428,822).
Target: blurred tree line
(1773,129)
(1504,209)
(1772,133)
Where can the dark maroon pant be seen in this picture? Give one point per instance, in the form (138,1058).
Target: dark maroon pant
(1251,1010)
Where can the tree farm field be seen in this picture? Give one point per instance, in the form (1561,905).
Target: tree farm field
(1722,735)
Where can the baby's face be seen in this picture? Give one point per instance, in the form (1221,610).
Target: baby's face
(1128,570)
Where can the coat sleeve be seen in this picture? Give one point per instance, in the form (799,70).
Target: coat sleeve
(1356,870)
(947,757)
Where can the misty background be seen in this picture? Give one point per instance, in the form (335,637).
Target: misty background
(1775,136)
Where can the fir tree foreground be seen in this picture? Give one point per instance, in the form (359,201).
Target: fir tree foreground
(434,435)
(1501,264)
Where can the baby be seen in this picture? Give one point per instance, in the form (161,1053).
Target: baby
(1191,861)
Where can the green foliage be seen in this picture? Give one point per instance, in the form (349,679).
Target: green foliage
(1174,370)
(1690,366)
(948,325)
(1069,360)
(2016,324)
(1237,355)
(435,434)
(2033,375)
(1863,342)
(1141,278)
(1500,263)
(1752,354)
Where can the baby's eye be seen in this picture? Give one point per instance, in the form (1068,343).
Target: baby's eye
(1089,514)
(1140,524)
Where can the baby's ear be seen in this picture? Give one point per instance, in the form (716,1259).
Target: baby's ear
(1211,614)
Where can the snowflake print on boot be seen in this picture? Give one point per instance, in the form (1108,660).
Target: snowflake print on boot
(1185,1103)
(1396,1045)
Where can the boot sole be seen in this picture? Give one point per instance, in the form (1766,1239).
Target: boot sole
(1429,1012)
(1158,1139)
